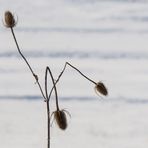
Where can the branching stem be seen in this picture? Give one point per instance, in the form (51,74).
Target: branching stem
(36,78)
(63,72)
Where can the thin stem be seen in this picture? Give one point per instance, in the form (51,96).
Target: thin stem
(81,73)
(63,72)
(57,81)
(54,86)
(48,125)
(48,112)
(35,76)
(21,52)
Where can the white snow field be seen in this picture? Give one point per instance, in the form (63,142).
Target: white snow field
(108,41)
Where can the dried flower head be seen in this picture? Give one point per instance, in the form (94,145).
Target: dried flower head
(10,21)
(61,120)
(100,87)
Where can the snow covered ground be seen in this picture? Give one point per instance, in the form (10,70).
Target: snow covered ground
(107,41)
(96,123)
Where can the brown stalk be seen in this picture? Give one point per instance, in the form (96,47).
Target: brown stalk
(76,70)
(54,87)
(10,23)
(48,111)
(35,76)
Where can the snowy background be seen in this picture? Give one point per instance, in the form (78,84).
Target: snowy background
(108,41)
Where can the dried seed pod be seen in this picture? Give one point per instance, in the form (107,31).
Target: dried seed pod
(61,119)
(100,87)
(9,20)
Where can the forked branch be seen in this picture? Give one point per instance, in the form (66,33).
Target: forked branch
(67,63)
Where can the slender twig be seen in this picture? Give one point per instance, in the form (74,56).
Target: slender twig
(57,81)
(54,86)
(48,111)
(63,72)
(35,76)
(81,73)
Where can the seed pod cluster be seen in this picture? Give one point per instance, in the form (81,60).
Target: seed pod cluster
(61,119)
(100,87)
(9,20)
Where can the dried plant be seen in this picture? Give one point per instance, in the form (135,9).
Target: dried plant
(10,21)
(101,88)
(59,115)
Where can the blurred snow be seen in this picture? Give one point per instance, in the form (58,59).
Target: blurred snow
(107,41)
(96,123)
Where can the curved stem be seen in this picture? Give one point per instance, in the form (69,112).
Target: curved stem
(63,72)
(57,80)
(54,86)
(35,76)
(81,73)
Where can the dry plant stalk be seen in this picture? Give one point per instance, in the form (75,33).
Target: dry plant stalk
(59,115)
(99,86)
(10,22)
